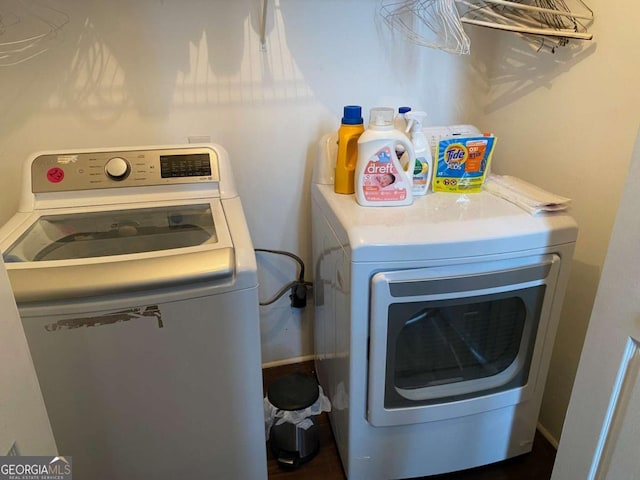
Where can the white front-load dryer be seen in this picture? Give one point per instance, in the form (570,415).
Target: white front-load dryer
(434,326)
(135,277)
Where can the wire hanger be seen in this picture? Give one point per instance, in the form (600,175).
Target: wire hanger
(552,20)
(26,30)
(429,23)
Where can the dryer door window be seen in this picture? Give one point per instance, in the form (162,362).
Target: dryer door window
(457,340)
(450,350)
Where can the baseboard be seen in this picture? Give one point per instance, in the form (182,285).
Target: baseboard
(546,434)
(288,361)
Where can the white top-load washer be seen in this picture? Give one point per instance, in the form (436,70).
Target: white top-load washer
(136,281)
(434,325)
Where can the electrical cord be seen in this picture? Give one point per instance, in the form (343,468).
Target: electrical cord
(298,287)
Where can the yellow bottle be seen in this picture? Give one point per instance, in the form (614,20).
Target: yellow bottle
(350,130)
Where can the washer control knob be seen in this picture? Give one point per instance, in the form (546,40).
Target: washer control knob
(117,168)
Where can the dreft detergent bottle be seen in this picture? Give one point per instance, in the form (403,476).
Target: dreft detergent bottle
(424,161)
(380,179)
(350,130)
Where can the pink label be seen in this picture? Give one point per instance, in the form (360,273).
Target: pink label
(382,182)
(55,175)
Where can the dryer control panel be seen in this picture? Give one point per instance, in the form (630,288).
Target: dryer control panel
(64,172)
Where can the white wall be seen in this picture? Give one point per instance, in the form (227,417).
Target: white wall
(568,122)
(131,72)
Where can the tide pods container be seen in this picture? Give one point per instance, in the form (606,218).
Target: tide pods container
(463,163)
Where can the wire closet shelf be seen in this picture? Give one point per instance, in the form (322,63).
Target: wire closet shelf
(546,24)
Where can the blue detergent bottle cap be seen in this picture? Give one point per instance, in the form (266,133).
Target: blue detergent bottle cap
(352,115)
(402,110)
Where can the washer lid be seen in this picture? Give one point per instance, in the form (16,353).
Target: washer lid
(87,253)
(120,232)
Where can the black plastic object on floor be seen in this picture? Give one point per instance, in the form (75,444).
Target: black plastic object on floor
(293,445)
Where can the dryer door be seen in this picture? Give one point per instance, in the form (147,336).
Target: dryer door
(453,341)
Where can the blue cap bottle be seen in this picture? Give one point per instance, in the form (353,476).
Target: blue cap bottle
(350,130)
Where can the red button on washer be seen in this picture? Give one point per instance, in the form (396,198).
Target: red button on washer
(55,175)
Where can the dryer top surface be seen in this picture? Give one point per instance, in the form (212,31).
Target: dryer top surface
(439,225)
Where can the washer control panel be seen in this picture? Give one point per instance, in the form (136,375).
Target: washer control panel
(62,172)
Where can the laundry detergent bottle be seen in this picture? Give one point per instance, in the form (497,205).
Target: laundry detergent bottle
(380,179)
(400,120)
(350,130)
(400,123)
(423,169)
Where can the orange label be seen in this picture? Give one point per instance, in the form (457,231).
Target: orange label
(475,156)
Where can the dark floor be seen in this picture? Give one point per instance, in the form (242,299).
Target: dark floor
(536,465)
